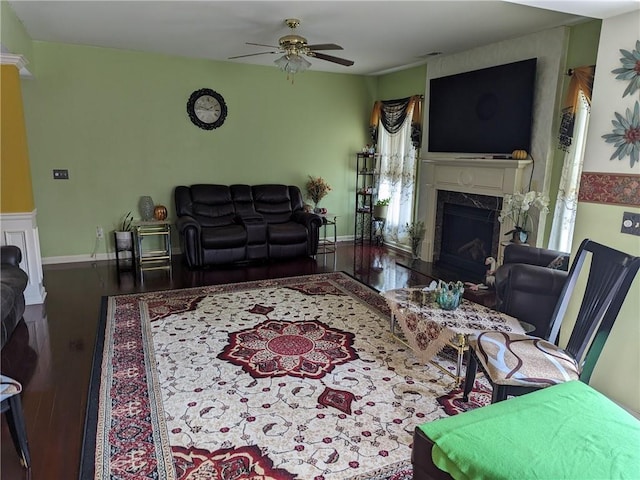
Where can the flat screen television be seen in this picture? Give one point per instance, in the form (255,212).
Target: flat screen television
(487,111)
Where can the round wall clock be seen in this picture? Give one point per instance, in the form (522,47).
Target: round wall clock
(207,109)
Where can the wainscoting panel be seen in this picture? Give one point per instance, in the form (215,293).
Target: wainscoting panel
(20,229)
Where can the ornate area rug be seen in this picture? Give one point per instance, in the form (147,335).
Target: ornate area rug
(293,378)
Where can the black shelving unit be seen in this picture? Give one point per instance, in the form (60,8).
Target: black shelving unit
(366,180)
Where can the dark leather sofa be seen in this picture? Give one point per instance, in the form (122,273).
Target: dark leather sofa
(13,282)
(528,284)
(222,224)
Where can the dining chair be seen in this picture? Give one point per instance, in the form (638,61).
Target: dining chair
(11,405)
(515,364)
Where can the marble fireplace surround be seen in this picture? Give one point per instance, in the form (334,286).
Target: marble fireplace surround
(479,176)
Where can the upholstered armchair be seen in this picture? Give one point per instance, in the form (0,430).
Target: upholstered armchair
(528,284)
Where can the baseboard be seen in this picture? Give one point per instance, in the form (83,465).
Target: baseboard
(103,257)
(100,257)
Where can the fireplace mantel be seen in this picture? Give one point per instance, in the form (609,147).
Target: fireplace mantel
(466,174)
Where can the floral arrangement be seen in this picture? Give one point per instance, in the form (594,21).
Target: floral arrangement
(317,188)
(517,207)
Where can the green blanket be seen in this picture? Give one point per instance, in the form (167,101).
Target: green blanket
(568,431)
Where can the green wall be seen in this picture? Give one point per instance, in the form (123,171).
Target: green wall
(117,120)
(403,83)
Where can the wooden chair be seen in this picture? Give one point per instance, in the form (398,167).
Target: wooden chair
(516,364)
(10,405)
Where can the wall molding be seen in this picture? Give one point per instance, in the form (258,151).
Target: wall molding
(19,61)
(610,188)
(20,229)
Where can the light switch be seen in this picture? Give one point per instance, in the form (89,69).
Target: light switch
(61,174)
(630,223)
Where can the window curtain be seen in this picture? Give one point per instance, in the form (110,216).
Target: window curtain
(572,139)
(396,128)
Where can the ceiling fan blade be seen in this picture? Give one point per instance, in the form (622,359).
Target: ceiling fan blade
(324,46)
(331,58)
(261,45)
(251,55)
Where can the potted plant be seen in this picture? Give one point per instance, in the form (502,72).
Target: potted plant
(415,231)
(517,208)
(124,236)
(380,208)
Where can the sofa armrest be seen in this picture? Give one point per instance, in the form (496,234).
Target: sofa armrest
(313,223)
(184,222)
(530,293)
(308,219)
(543,257)
(190,235)
(256,228)
(11,255)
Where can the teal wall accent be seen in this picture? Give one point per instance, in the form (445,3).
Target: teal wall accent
(117,120)
(13,36)
(582,50)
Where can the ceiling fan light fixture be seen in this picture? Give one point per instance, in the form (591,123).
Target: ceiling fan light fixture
(292,64)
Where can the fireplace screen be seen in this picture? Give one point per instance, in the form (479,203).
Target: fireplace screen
(467,233)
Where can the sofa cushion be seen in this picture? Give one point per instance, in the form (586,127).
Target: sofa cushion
(522,360)
(273,202)
(228,236)
(287,233)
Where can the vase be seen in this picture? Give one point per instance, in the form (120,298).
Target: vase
(146,207)
(160,212)
(449,295)
(519,236)
(124,240)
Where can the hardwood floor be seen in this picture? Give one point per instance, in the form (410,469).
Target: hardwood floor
(57,340)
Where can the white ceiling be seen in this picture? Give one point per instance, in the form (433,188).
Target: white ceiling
(379,36)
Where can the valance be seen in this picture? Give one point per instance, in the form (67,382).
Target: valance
(393,113)
(581,81)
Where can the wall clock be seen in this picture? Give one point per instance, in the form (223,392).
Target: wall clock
(207,109)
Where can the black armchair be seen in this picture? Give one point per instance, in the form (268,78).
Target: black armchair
(528,285)
(13,282)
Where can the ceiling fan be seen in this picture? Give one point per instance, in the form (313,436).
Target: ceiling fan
(293,46)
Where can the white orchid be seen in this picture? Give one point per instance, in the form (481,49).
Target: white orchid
(517,207)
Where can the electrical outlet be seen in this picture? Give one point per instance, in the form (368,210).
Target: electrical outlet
(61,174)
(630,223)
(99,232)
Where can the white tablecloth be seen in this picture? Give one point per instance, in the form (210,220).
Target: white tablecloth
(428,328)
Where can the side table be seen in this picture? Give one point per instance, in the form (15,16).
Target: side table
(155,256)
(427,328)
(327,245)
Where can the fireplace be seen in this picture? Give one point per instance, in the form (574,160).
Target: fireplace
(475,183)
(467,231)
